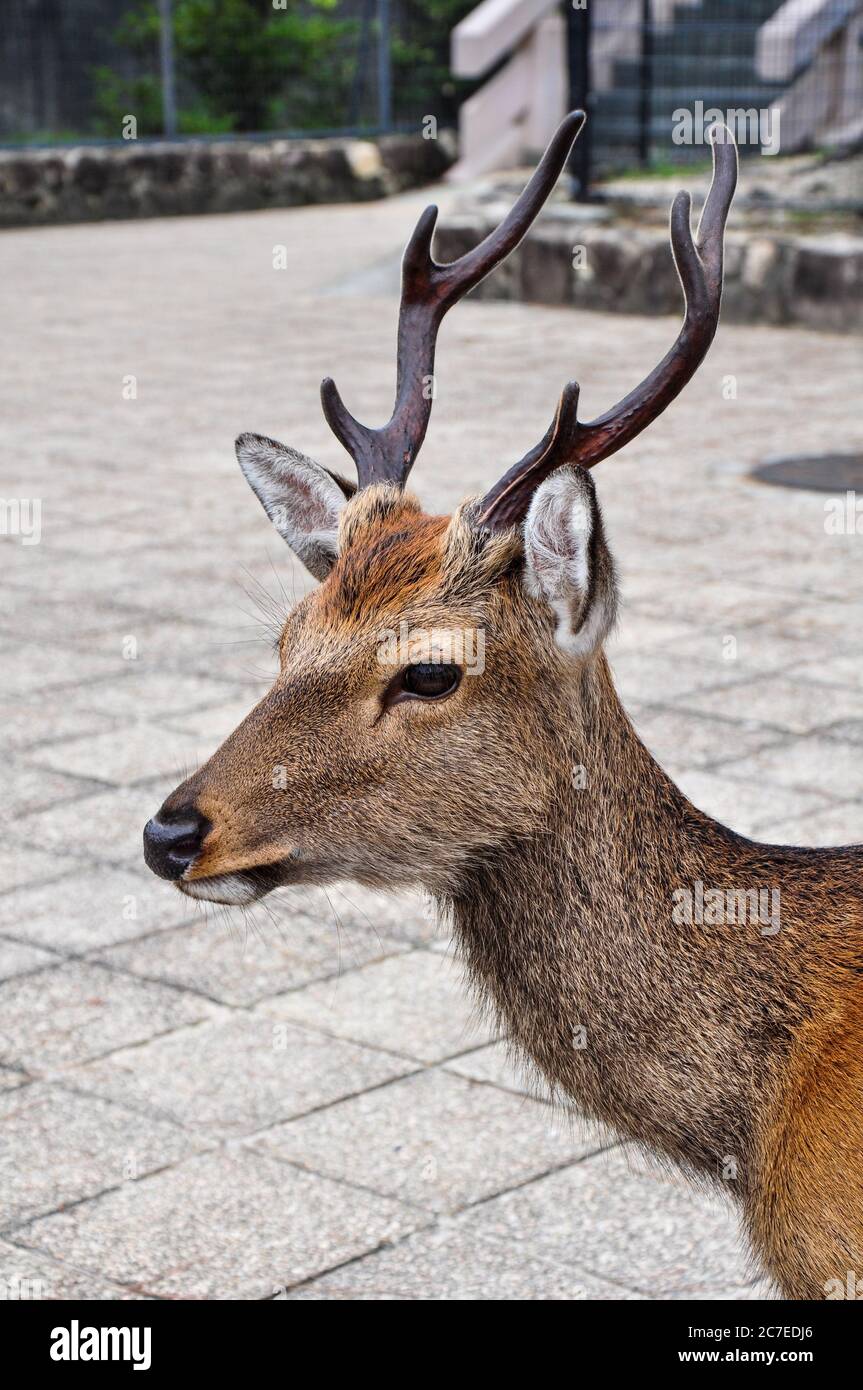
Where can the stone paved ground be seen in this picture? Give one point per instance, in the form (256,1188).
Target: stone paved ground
(305,1110)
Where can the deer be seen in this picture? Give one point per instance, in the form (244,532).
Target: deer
(584,907)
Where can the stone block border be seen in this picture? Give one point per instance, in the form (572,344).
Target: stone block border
(94,182)
(770,277)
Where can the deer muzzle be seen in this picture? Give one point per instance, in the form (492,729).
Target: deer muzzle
(173,841)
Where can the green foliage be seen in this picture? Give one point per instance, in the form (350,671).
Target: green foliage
(251,66)
(420,55)
(241,55)
(116,97)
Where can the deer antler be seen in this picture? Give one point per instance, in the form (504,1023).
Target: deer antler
(428,291)
(699,265)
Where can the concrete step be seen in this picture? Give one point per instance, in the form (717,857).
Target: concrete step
(770,277)
(715,12)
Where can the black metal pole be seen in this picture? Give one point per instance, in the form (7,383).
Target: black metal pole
(166,56)
(385,74)
(645,87)
(578,63)
(358,83)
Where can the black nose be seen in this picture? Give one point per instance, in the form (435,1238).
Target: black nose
(172,840)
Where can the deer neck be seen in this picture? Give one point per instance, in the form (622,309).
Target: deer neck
(570,932)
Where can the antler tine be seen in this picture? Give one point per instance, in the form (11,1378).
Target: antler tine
(699,265)
(428,291)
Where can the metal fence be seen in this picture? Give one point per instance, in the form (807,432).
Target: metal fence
(76,69)
(80,69)
(787,82)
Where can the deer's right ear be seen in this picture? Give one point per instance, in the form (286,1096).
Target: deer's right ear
(302,499)
(567,559)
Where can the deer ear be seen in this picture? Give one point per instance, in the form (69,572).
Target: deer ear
(302,499)
(567,559)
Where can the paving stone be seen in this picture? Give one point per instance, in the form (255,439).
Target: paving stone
(795,706)
(26,1278)
(19,959)
(20,865)
(211,726)
(58,1147)
(445,946)
(657,677)
(12,1077)
(399,916)
(73,1012)
(729,655)
(834,669)
(496,1065)
(645,632)
(450,1262)
(730,606)
(32,720)
(91,909)
(238,653)
(746,806)
(165,646)
(846,731)
(835,825)
(48,619)
(28,666)
(186,1233)
(813,764)
(82,576)
(30,572)
(116,535)
(237,1076)
(134,753)
(29,788)
(617,1218)
(218,602)
(837,623)
(107,827)
(240,963)
(679,739)
(760,1291)
(434,1139)
(414,1004)
(140,693)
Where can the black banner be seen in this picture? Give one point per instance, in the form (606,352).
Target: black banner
(82,1339)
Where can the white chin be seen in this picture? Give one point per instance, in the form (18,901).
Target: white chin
(232,889)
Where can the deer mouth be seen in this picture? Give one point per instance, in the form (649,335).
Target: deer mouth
(235,890)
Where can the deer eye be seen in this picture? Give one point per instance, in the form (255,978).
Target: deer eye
(429,680)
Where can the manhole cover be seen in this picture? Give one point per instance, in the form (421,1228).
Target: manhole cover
(818,472)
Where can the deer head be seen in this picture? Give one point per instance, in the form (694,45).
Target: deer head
(417,717)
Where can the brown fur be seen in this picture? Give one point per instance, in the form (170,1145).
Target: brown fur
(719,1047)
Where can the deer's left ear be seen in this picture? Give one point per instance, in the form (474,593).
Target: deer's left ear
(567,559)
(302,499)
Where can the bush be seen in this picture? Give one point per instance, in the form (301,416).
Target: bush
(250,66)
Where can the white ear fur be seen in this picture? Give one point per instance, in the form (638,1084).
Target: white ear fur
(568,563)
(301,498)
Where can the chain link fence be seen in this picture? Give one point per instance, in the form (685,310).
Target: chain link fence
(784,77)
(79,71)
(73,70)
